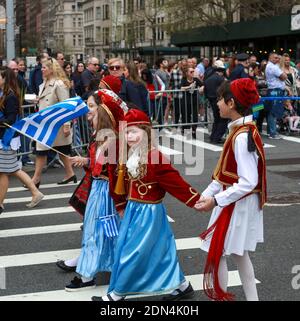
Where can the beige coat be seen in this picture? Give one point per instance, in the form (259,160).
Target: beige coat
(54,92)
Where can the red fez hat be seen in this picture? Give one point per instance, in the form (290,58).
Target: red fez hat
(245,92)
(136,117)
(112,83)
(113,107)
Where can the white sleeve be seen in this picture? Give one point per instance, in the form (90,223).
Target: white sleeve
(246,170)
(161,83)
(213,188)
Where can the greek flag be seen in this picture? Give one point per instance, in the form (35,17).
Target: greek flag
(44,125)
(110,225)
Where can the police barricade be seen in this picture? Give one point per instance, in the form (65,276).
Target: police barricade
(178,108)
(184,109)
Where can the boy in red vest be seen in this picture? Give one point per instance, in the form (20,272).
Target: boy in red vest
(237,194)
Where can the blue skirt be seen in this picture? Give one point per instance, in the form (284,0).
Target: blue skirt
(145,256)
(97,253)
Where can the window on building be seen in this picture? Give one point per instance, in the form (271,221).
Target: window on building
(142,31)
(119,8)
(140,4)
(80,42)
(118,33)
(79,22)
(61,23)
(98,13)
(73,7)
(105,36)
(106,14)
(74,40)
(98,34)
(128,6)
(74,22)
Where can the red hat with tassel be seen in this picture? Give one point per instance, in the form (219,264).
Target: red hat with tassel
(136,117)
(114,106)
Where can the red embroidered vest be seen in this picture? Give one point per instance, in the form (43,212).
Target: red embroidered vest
(226,170)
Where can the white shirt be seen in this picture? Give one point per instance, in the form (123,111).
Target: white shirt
(273,72)
(246,170)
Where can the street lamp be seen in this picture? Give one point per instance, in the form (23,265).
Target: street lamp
(10,30)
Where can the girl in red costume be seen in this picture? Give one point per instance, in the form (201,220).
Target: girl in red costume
(145,255)
(237,194)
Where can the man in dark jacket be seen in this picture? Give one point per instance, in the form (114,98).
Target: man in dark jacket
(211,85)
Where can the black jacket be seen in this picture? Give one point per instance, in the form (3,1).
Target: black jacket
(10,111)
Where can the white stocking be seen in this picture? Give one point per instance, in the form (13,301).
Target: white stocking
(72,262)
(247,276)
(223,274)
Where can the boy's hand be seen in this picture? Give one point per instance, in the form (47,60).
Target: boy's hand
(205,204)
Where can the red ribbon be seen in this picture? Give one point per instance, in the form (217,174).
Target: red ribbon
(219,229)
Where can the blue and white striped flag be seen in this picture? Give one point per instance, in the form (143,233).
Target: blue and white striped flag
(110,225)
(44,125)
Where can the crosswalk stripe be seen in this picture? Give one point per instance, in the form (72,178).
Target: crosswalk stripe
(40,230)
(205,131)
(46,211)
(45,186)
(53,256)
(196,143)
(287,138)
(28,199)
(61,295)
(169,151)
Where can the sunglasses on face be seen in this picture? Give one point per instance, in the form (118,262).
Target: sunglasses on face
(114,68)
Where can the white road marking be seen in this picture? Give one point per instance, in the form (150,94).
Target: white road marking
(46,186)
(53,256)
(61,295)
(46,211)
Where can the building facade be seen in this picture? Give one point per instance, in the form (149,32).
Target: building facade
(68,29)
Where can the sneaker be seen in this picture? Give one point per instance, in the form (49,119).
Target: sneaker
(275,137)
(77,285)
(28,163)
(188,293)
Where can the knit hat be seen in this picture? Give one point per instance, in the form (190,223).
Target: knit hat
(245,92)
(136,117)
(112,83)
(112,106)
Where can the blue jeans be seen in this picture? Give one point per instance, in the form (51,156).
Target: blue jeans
(271,119)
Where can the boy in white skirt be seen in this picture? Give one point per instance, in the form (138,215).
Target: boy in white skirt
(237,194)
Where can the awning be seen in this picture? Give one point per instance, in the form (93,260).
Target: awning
(261,28)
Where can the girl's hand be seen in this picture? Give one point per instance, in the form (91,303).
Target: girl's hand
(79,161)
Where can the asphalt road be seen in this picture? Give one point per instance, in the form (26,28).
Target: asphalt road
(26,238)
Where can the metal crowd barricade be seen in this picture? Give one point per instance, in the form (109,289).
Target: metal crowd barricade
(177,108)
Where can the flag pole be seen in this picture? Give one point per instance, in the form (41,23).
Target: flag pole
(55,150)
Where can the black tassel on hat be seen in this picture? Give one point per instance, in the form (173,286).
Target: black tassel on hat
(251,144)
